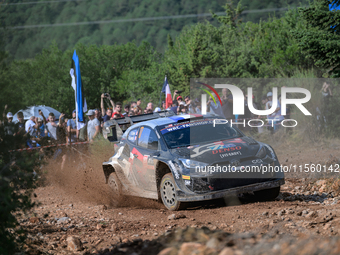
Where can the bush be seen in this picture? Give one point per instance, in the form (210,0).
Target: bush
(16,185)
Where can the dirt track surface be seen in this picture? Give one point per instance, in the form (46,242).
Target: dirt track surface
(76,215)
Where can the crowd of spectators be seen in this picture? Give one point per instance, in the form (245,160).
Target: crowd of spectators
(39,130)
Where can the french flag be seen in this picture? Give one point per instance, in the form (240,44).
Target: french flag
(166,90)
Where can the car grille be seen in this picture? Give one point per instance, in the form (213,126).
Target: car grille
(227,163)
(204,185)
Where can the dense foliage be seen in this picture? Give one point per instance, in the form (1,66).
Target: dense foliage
(25,43)
(128,72)
(16,185)
(320,36)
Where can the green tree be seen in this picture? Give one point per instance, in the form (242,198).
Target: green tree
(16,186)
(320,38)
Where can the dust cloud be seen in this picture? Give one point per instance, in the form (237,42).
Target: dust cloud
(78,171)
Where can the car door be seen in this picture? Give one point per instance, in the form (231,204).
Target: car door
(130,145)
(144,163)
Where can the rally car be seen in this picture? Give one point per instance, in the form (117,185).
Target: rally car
(182,158)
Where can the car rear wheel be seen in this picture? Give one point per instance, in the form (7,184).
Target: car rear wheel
(267,194)
(167,189)
(116,189)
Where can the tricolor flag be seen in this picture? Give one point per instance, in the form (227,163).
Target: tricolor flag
(166,90)
(78,88)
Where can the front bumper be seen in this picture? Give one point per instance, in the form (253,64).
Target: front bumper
(181,196)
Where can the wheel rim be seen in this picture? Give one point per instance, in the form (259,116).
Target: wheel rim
(113,184)
(169,193)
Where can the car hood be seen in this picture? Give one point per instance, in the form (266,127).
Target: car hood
(220,151)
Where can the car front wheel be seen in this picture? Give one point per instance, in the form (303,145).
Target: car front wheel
(168,193)
(116,189)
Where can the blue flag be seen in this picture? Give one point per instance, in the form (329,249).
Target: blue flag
(80,101)
(333,6)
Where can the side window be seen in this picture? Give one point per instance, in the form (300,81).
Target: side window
(147,138)
(132,137)
(153,141)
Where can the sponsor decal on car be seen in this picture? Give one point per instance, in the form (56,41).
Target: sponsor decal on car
(187,182)
(257,161)
(174,169)
(186,177)
(227,149)
(185,125)
(222,146)
(229,154)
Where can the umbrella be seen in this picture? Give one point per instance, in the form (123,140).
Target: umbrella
(34,111)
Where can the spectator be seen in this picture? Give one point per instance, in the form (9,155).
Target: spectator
(126,109)
(40,130)
(227,101)
(98,115)
(116,116)
(287,116)
(72,132)
(133,104)
(150,106)
(180,100)
(157,109)
(106,95)
(139,102)
(93,126)
(164,105)
(9,126)
(174,106)
(38,134)
(189,106)
(198,109)
(176,95)
(149,110)
(326,95)
(139,110)
(182,109)
(135,110)
(30,126)
(276,116)
(131,113)
(118,110)
(215,108)
(108,115)
(326,90)
(51,127)
(20,124)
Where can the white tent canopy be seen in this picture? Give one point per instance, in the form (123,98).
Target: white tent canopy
(34,111)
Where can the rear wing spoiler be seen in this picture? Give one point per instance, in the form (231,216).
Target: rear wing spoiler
(113,129)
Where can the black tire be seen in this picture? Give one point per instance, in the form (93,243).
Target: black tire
(116,189)
(167,188)
(267,194)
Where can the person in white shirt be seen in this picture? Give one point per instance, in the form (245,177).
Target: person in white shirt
(30,125)
(93,126)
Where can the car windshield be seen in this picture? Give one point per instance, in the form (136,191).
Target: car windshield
(197,132)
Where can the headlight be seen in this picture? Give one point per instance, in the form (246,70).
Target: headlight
(188,163)
(261,153)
